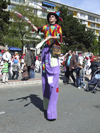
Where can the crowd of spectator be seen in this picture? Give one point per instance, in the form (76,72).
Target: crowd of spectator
(81,65)
(27,64)
(13,64)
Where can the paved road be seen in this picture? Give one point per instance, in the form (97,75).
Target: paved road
(21,111)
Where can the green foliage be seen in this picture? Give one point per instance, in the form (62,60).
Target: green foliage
(20,33)
(76,37)
(4,19)
(95,47)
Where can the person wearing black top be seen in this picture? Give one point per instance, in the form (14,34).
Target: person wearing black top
(94,66)
(29,60)
(76,56)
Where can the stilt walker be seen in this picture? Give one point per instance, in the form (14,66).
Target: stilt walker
(50,63)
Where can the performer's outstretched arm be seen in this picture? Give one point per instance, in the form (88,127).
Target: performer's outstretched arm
(36,29)
(33,27)
(52,37)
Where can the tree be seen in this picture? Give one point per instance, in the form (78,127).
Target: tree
(76,37)
(95,47)
(19,31)
(4,19)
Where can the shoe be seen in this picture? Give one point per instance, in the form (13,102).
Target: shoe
(51,120)
(79,88)
(84,87)
(22,79)
(2,82)
(66,83)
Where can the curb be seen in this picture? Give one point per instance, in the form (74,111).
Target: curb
(22,83)
(13,83)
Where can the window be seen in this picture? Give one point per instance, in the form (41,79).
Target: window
(92,24)
(98,26)
(91,18)
(10,7)
(82,21)
(70,12)
(82,15)
(31,1)
(15,0)
(98,20)
(19,1)
(35,11)
(44,14)
(35,4)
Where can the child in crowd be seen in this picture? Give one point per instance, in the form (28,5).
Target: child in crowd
(25,72)
(15,69)
(22,63)
(80,73)
(5,71)
(1,65)
(12,58)
(37,65)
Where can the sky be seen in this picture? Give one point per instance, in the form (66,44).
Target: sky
(88,5)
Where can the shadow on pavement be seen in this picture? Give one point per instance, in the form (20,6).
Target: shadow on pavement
(62,77)
(34,99)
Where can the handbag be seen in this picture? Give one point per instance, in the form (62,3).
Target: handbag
(56,50)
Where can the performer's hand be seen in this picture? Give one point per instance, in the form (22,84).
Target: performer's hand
(48,38)
(29,22)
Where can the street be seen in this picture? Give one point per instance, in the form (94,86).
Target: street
(21,110)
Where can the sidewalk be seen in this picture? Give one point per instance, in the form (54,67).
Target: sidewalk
(36,80)
(19,82)
(12,83)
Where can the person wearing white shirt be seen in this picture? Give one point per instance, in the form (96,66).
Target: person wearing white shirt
(17,56)
(80,59)
(37,64)
(87,66)
(7,55)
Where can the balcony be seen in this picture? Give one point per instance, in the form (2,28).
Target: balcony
(50,9)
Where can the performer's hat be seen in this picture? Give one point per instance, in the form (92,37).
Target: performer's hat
(56,14)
